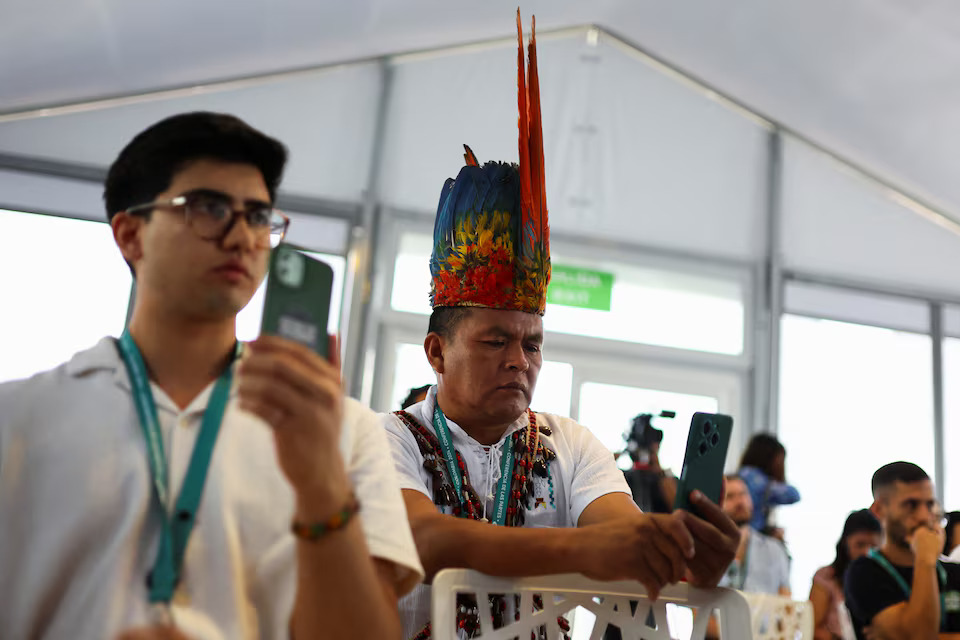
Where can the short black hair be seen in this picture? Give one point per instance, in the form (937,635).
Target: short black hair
(414,396)
(444,320)
(761,451)
(147,165)
(890,474)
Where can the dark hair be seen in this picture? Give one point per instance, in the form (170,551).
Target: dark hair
(857,522)
(890,474)
(412,397)
(444,320)
(953,519)
(761,451)
(147,165)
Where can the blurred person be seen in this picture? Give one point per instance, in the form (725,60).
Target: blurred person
(763,468)
(902,591)
(175,483)
(761,563)
(416,394)
(861,533)
(490,484)
(654,489)
(951,536)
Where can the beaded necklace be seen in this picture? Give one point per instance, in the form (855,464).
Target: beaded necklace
(530,457)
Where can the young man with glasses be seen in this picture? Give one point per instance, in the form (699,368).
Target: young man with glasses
(173,483)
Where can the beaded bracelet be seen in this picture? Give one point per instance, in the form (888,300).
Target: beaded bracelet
(339,520)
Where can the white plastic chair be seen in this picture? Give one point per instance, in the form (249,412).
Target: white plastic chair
(608,601)
(779,618)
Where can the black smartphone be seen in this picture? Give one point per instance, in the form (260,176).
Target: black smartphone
(707,444)
(297,302)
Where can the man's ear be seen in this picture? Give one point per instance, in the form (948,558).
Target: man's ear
(433,346)
(878,508)
(126,233)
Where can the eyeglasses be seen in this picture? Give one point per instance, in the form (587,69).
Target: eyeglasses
(211,216)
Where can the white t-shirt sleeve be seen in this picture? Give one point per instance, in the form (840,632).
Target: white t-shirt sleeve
(406,455)
(382,510)
(595,472)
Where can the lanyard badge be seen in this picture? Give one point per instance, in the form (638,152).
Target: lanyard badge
(175,531)
(450,456)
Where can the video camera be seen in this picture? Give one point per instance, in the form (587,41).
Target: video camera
(643,434)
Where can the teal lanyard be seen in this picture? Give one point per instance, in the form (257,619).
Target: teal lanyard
(450,455)
(744,565)
(880,559)
(163,578)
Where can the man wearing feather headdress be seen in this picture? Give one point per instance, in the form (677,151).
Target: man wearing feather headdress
(473,453)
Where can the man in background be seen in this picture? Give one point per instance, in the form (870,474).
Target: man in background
(761,564)
(902,591)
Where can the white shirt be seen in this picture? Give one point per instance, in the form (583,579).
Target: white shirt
(583,471)
(79,527)
(767,566)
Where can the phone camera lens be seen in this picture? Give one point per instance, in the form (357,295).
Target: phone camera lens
(707,426)
(703,448)
(715,439)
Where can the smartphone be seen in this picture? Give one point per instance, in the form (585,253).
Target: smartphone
(297,303)
(703,462)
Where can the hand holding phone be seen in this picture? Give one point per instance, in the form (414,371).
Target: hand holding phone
(297,303)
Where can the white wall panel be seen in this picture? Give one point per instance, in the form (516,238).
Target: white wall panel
(31,192)
(837,223)
(631,153)
(325,119)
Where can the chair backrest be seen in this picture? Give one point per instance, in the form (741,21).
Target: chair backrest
(610,602)
(779,618)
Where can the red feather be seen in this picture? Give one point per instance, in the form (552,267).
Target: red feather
(469,158)
(538,214)
(526,187)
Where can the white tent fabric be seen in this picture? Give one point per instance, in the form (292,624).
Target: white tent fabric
(634,154)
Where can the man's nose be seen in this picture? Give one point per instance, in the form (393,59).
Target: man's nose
(239,235)
(517,358)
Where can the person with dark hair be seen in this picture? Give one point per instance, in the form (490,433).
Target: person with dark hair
(763,468)
(902,591)
(175,483)
(416,394)
(490,484)
(654,489)
(861,533)
(761,564)
(951,537)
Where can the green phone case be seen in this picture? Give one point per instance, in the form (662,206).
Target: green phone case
(703,462)
(297,303)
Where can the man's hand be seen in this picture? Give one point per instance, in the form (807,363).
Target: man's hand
(156,632)
(651,548)
(716,538)
(298,393)
(927,543)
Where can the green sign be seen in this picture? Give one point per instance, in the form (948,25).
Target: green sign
(584,288)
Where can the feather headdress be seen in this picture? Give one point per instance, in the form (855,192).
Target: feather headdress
(491,239)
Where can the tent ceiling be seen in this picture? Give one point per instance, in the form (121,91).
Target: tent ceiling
(874,80)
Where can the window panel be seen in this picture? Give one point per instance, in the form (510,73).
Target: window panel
(852,398)
(648,305)
(65,286)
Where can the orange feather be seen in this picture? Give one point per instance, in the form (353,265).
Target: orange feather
(526,188)
(469,158)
